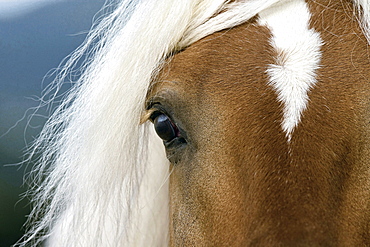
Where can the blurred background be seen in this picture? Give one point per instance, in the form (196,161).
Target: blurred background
(35,35)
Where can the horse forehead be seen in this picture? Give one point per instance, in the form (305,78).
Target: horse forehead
(220,65)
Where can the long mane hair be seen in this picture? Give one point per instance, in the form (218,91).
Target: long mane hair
(101,177)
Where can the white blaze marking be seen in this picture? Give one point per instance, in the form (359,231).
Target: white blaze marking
(298,57)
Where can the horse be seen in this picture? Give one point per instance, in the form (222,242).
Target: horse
(211,123)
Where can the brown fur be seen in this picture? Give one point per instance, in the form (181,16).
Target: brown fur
(238,182)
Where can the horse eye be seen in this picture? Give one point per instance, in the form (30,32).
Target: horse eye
(164,127)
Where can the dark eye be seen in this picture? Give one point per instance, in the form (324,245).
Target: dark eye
(165,128)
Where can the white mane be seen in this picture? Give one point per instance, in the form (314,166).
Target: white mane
(104,175)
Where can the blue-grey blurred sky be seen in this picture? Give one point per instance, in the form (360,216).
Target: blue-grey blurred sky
(35,35)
